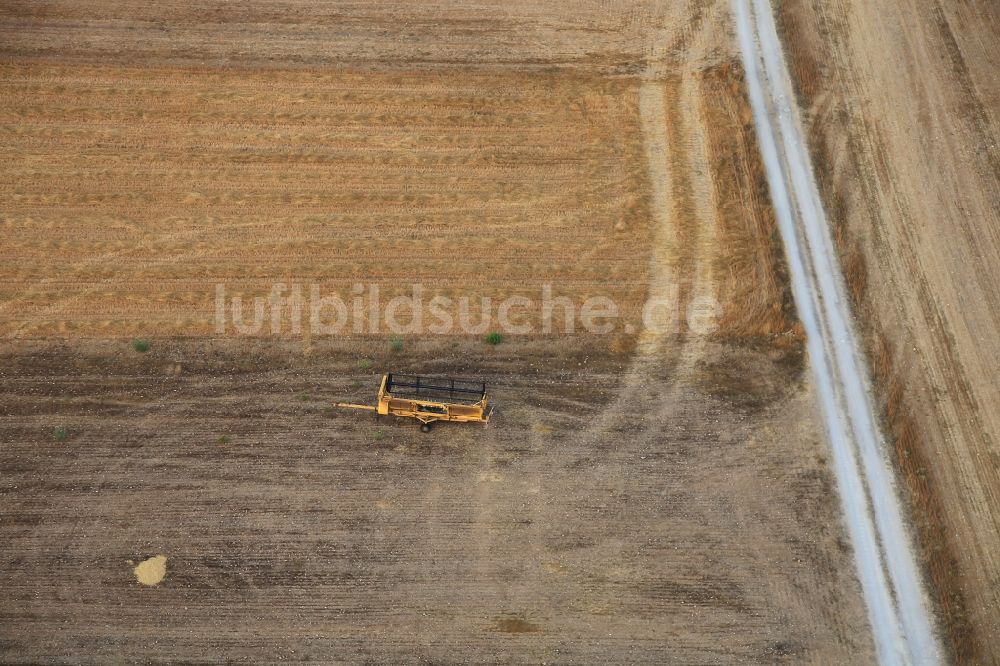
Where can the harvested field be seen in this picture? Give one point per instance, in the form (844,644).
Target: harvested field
(902,104)
(650,495)
(694,525)
(135,191)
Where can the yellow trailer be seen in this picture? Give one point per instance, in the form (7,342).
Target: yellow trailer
(429,399)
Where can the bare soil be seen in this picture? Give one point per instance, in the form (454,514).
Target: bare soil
(644,497)
(902,103)
(681,521)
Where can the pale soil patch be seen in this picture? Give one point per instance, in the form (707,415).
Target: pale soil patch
(151,572)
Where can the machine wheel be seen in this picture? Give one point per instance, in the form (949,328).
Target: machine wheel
(425,427)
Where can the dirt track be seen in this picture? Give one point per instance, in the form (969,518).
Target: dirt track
(895,591)
(650,498)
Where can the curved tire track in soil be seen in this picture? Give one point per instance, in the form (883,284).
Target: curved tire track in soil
(898,608)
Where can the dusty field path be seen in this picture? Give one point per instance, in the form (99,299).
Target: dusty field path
(898,606)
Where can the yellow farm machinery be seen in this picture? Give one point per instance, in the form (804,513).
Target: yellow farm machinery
(428,399)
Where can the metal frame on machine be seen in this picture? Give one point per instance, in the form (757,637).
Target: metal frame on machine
(429,399)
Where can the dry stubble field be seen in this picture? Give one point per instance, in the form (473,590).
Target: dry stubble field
(903,104)
(647,497)
(131,193)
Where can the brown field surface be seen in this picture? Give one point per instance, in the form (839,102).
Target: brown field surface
(645,496)
(903,104)
(131,193)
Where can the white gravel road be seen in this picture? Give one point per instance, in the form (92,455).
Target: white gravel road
(898,606)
